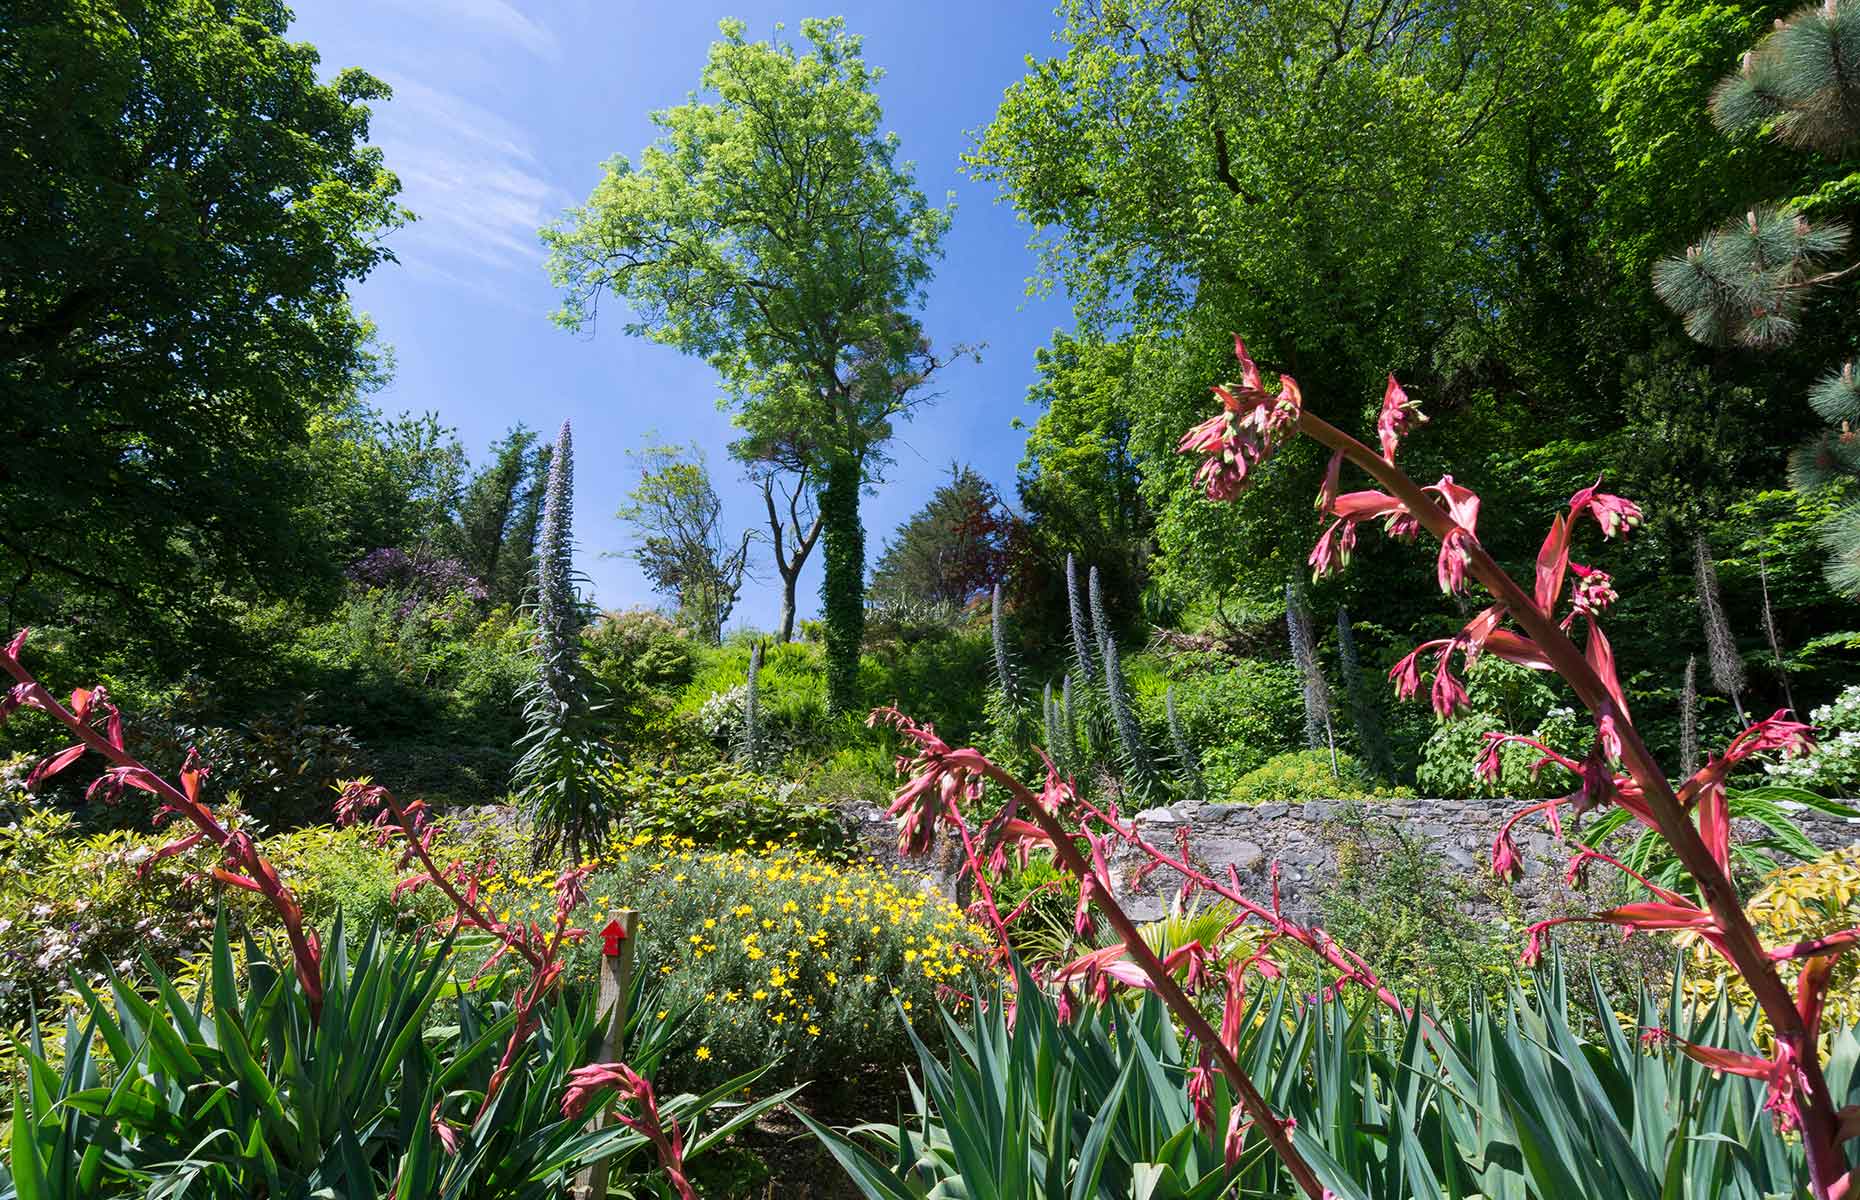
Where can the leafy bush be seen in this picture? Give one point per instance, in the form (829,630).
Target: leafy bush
(786,957)
(1796,903)
(1504,698)
(346,871)
(76,904)
(1234,715)
(1833,766)
(1306,775)
(723,806)
(283,767)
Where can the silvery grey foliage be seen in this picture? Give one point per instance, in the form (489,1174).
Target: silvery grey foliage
(1370,738)
(1689,719)
(558,609)
(1304,654)
(1769,631)
(1139,772)
(563,779)
(749,746)
(1188,763)
(1005,676)
(1727,665)
(1081,633)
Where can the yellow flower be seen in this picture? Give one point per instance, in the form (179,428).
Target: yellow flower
(813,1031)
(703,1053)
(664,1013)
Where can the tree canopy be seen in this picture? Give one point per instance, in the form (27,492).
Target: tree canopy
(773,232)
(186,204)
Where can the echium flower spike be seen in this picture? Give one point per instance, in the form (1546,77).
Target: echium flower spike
(557,615)
(1081,632)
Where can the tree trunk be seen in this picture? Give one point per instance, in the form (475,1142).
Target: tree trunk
(842,592)
(786,632)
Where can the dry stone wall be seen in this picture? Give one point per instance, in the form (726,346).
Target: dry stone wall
(1307,840)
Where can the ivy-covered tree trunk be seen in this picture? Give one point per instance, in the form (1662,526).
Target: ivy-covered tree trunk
(842,592)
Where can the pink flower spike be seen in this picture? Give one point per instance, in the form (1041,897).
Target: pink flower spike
(16,646)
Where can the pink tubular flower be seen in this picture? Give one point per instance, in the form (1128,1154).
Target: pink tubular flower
(941,778)
(1505,861)
(1614,514)
(584,1083)
(1406,675)
(1450,568)
(1489,766)
(1397,413)
(1245,432)
(1448,696)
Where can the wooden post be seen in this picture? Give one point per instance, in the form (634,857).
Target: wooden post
(617,959)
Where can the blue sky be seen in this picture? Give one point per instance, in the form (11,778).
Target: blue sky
(503,110)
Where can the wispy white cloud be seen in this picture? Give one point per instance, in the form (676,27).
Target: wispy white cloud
(495,17)
(471,177)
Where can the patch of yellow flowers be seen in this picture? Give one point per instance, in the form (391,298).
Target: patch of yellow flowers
(779,947)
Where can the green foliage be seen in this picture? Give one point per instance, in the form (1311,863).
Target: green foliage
(348,1102)
(682,547)
(1090,1108)
(724,806)
(783,957)
(1511,699)
(950,550)
(499,513)
(1236,714)
(1419,919)
(163,369)
(1303,775)
(772,231)
(842,590)
(1548,1098)
(75,903)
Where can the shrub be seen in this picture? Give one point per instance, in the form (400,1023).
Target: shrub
(1306,775)
(76,904)
(283,767)
(1795,904)
(1833,766)
(724,806)
(784,955)
(1234,715)
(1503,698)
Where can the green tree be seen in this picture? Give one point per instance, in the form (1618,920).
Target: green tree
(186,204)
(683,547)
(1753,280)
(773,231)
(952,549)
(499,510)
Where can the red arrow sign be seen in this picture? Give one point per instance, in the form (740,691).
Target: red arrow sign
(611,937)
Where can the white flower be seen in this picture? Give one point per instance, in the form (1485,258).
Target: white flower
(41,910)
(138,856)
